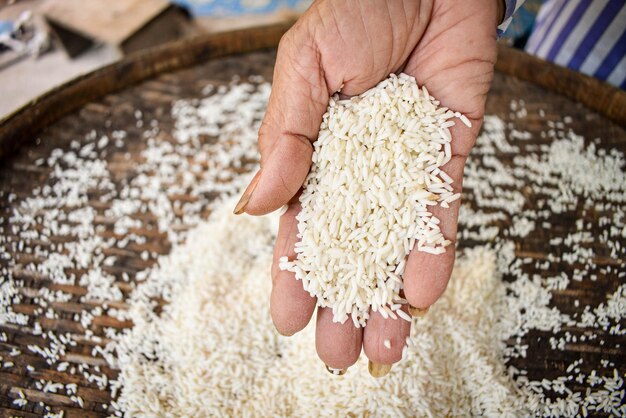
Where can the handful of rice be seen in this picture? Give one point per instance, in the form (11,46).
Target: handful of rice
(365,204)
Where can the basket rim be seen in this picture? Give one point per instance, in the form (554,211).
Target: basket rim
(34,116)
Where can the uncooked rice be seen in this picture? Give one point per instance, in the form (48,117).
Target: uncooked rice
(213,350)
(366,202)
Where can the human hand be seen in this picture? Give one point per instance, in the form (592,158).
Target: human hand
(450,47)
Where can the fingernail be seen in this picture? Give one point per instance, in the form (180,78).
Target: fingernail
(418,312)
(285,334)
(378,370)
(245,197)
(336,372)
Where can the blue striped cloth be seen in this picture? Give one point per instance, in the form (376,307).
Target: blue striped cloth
(585,35)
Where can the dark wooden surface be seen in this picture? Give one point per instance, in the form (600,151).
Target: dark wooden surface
(20,175)
(541,360)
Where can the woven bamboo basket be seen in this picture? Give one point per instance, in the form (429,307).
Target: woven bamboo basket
(151,81)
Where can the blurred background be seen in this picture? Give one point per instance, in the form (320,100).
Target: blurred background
(44,43)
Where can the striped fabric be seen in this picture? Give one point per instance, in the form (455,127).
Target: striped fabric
(511,8)
(584,35)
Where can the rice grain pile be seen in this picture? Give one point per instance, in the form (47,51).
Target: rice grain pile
(206,352)
(366,202)
(214,348)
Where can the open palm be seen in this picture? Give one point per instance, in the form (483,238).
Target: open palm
(447,45)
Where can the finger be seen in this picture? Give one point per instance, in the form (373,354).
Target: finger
(460,80)
(294,113)
(291,306)
(426,275)
(383,341)
(338,345)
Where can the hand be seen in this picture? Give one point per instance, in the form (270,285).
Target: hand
(449,46)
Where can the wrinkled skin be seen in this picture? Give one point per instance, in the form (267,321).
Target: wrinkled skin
(447,45)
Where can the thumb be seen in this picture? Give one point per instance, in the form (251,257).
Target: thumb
(297,103)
